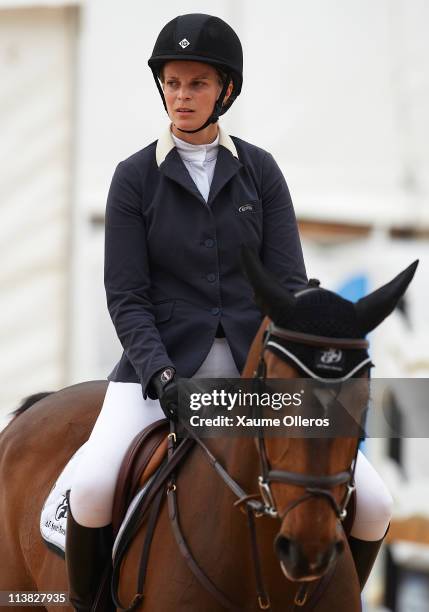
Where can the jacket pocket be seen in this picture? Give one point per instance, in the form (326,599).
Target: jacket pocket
(163,311)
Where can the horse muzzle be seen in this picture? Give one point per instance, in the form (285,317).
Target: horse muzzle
(296,564)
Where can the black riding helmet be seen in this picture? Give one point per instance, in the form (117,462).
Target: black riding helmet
(201,38)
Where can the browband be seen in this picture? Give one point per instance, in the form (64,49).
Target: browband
(313,340)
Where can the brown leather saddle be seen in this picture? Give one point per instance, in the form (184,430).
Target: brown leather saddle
(144,456)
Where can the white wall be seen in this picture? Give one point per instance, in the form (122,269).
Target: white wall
(344,87)
(36,76)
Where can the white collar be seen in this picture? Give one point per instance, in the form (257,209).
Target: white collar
(196,152)
(166,143)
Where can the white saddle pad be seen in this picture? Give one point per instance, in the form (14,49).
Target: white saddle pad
(53,519)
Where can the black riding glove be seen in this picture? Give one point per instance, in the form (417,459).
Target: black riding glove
(164,383)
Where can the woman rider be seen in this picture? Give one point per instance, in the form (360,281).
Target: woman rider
(177,214)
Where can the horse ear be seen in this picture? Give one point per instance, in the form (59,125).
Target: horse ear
(270,296)
(372,309)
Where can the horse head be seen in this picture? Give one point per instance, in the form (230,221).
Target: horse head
(318,335)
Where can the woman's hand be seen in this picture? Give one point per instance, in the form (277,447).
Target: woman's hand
(164,383)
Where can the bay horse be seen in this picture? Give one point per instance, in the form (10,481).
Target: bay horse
(296,558)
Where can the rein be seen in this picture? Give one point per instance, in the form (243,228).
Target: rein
(263,504)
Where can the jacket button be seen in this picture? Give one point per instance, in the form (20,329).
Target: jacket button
(209,243)
(211,277)
(215,311)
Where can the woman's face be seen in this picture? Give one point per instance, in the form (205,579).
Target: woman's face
(191,90)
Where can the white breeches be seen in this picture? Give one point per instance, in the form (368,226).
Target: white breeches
(374,503)
(125,412)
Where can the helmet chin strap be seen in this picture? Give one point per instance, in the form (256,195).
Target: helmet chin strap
(217,109)
(212,119)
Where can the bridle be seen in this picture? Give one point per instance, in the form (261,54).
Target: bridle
(314,485)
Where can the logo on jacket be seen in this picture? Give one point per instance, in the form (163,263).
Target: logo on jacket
(184,43)
(246,207)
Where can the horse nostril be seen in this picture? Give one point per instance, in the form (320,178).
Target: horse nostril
(282,547)
(339,547)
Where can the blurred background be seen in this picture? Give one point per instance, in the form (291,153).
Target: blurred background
(337,91)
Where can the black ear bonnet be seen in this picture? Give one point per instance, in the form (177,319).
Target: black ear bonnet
(322,313)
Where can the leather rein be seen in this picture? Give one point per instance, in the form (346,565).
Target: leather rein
(255,505)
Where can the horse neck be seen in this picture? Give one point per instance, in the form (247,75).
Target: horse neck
(255,351)
(239,455)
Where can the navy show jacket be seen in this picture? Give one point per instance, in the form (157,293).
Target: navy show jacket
(172,261)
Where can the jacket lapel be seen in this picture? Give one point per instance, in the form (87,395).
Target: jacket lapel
(175,169)
(226,167)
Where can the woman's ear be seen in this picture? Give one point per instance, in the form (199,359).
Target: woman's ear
(228,92)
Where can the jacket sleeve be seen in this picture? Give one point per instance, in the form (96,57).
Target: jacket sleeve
(281,246)
(127,276)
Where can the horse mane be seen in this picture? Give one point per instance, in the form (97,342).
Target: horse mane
(29,401)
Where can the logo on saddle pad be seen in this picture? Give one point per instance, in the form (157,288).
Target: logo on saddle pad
(61,511)
(330,359)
